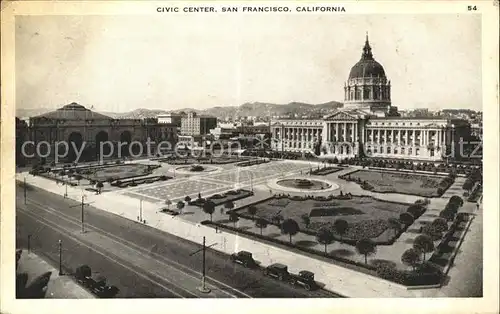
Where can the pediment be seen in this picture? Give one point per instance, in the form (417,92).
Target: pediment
(341,115)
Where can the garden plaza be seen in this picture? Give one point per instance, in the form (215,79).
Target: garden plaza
(367,200)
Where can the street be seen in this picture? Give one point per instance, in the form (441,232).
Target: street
(141,261)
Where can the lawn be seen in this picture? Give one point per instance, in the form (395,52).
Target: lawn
(326,171)
(119,172)
(366,216)
(394,182)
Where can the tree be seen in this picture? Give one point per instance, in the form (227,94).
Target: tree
(394,224)
(324,236)
(366,247)
(180,205)
(290,227)
(209,208)
(406,218)
(233,217)
(440,224)
(306,220)
(411,257)
(187,199)
(252,210)
(199,195)
(340,226)
(455,199)
(423,243)
(99,185)
(229,205)
(261,223)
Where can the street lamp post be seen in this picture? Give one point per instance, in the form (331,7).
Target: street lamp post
(140,210)
(60,257)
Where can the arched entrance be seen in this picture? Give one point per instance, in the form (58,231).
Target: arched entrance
(125,140)
(75,142)
(102,137)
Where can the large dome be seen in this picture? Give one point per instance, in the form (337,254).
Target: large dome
(367,66)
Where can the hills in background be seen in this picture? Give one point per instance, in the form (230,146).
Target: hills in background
(255,109)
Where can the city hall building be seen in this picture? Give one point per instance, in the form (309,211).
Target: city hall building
(368,125)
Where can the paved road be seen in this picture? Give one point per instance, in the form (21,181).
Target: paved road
(141,261)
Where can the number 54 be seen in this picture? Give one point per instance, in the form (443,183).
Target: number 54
(471,8)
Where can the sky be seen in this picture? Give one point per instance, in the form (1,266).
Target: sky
(121,63)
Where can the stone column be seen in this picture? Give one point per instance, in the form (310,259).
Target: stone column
(336,132)
(399,140)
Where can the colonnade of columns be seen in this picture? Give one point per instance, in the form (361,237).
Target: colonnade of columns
(302,137)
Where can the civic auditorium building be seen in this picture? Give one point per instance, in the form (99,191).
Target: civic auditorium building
(369,125)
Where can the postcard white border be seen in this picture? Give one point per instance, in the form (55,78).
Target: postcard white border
(488,304)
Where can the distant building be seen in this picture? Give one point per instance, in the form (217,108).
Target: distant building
(170,118)
(477,130)
(76,124)
(196,125)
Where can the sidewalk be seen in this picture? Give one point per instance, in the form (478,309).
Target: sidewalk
(59,287)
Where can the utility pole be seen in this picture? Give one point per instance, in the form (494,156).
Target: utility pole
(203,287)
(29,243)
(24,190)
(60,257)
(66,191)
(82,204)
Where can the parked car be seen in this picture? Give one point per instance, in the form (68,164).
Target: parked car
(277,270)
(244,258)
(305,279)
